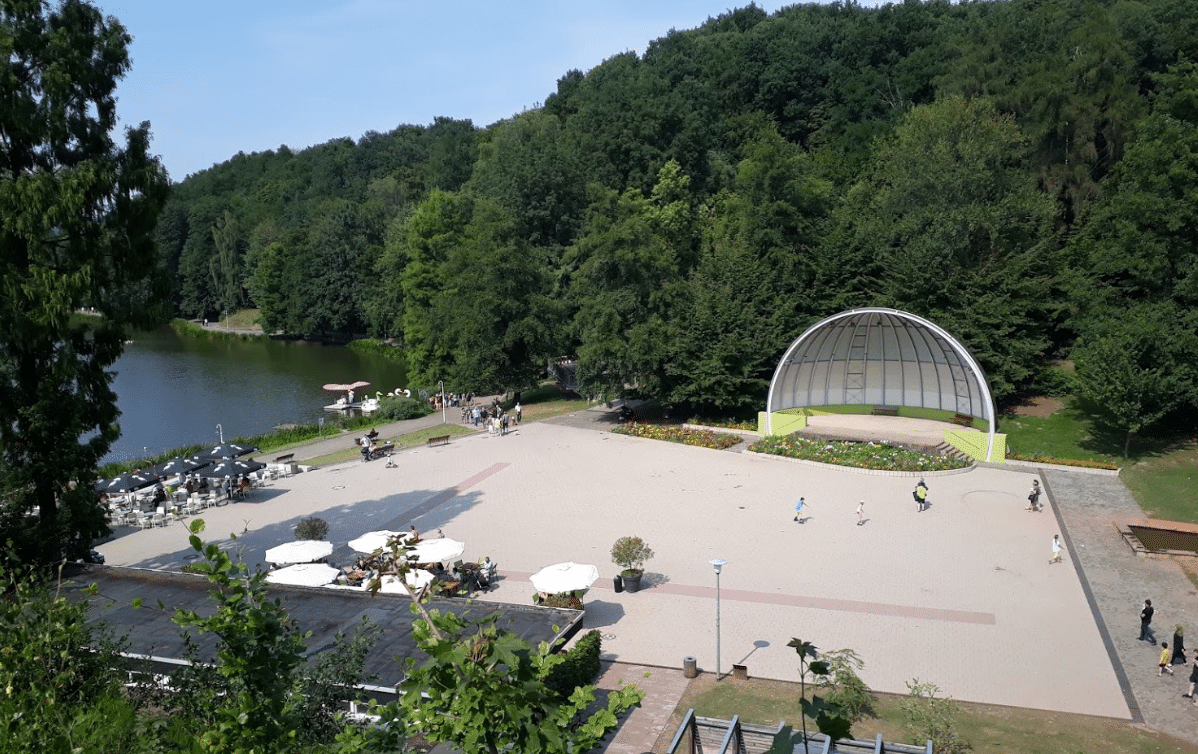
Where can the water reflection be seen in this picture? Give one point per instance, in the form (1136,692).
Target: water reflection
(173,391)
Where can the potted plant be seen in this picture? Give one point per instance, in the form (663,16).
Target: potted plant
(630,553)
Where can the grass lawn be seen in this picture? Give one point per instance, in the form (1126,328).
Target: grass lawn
(990,729)
(1160,472)
(409,440)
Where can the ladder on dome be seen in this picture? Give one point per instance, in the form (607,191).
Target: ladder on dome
(854,378)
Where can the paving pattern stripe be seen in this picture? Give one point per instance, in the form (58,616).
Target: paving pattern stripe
(1133,705)
(491,470)
(444,496)
(817,603)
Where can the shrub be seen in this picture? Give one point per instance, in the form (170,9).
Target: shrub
(929,718)
(845,687)
(398,409)
(312,528)
(579,667)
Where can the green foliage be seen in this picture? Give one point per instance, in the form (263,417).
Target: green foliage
(312,528)
(862,455)
(78,212)
(630,553)
(845,688)
(59,693)
(675,219)
(192,330)
(259,650)
(398,409)
(380,348)
(482,689)
(579,666)
(829,717)
(929,718)
(700,438)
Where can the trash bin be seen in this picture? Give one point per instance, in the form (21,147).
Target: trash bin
(690,667)
(618,583)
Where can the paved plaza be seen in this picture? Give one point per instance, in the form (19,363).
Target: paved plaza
(960,595)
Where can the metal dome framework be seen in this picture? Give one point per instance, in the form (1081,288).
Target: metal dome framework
(879,356)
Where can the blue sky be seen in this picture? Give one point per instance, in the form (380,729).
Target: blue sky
(218,77)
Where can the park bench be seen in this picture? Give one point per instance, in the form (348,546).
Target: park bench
(885,411)
(442,440)
(965,420)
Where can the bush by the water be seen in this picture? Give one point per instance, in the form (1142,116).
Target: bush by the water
(312,528)
(398,409)
(580,667)
(703,438)
(862,455)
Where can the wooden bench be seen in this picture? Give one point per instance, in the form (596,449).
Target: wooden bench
(965,420)
(442,440)
(285,458)
(885,411)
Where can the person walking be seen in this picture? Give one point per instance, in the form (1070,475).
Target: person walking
(1164,659)
(921,496)
(1193,680)
(799,510)
(1179,645)
(519,413)
(1146,623)
(1056,549)
(1033,496)
(861,513)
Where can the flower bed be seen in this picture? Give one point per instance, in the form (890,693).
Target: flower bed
(748,426)
(862,455)
(703,438)
(1065,462)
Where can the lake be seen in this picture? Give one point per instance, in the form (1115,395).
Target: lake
(174,391)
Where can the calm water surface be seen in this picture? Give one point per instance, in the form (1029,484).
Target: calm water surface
(173,391)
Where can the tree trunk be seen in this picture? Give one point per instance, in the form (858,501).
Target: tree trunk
(1127,443)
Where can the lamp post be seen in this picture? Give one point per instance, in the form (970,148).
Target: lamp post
(444,420)
(717,564)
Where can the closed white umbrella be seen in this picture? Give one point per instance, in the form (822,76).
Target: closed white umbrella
(375,540)
(564,577)
(304,574)
(299,551)
(438,550)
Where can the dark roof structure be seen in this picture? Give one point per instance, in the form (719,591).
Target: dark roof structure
(879,356)
(151,632)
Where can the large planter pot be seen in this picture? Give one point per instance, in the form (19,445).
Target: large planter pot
(632,580)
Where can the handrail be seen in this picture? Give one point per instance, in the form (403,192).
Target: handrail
(687,724)
(733,730)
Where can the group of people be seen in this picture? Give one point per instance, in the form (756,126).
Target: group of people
(495,419)
(1169,655)
(451,400)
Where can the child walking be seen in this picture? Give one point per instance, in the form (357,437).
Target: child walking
(1056,549)
(1165,659)
(861,513)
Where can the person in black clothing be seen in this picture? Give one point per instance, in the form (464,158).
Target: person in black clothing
(1146,623)
(1179,646)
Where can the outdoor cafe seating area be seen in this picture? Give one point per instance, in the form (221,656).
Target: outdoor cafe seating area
(175,489)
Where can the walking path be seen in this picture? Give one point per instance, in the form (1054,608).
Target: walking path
(961,595)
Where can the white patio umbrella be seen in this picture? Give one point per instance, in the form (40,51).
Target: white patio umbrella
(438,550)
(564,577)
(304,574)
(375,540)
(416,578)
(299,551)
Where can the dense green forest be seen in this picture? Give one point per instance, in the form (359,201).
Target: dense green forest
(1024,173)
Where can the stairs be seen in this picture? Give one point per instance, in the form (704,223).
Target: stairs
(945,449)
